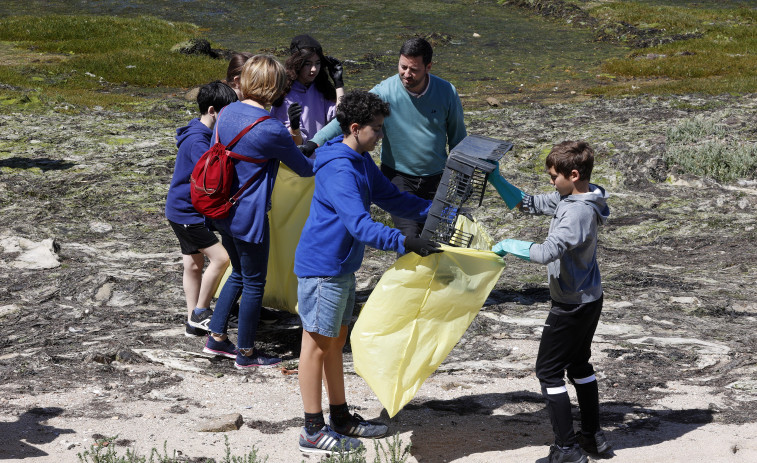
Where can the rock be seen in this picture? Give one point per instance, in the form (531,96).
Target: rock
(121,299)
(201,47)
(100,227)
(230,422)
(686,300)
(8,310)
(33,255)
(104,293)
(476,35)
(620,304)
(193,47)
(191,95)
(491,101)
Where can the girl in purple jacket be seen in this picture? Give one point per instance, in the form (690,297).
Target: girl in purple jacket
(309,100)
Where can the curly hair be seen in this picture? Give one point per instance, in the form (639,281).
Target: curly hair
(571,155)
(361,107)
(293,65)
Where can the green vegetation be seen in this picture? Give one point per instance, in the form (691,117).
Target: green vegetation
(703,147)
(723,59)
(72,62)
(104,451)
(95,60)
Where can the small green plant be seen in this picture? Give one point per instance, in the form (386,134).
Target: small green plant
(702,146)
(357,456)
(251,457)
(394,453)
(104,451)
(694,130)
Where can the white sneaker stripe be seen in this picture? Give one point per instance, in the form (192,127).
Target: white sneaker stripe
(326,443)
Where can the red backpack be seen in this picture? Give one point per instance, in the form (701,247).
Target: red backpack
(212,176)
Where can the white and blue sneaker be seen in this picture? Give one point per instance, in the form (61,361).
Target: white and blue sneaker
(326,440)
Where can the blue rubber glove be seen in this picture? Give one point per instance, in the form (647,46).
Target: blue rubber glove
(509,193)
(517,248)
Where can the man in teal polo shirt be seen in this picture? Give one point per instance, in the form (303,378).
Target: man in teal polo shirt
(426,118)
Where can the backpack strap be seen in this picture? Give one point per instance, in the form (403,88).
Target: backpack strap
(245,130)
(239,136)
(233,199)
(241,157)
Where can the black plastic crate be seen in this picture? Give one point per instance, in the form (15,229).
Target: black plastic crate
(463,181)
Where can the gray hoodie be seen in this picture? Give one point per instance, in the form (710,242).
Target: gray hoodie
(570,250)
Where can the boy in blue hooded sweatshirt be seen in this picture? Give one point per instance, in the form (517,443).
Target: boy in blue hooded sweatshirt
(330,250)
(577,208)
(195,239)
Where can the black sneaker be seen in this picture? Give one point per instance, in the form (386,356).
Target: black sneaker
(192,332)
(594,444)
(357,426)
(202,320)
(571,454)
(234,316)
(234,321)
(269,316)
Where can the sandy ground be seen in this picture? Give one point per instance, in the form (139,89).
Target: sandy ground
(463,413)
(675,349)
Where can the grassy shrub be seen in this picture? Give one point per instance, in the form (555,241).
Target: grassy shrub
(724,59)
(104,451)
(702,146)
(94,60)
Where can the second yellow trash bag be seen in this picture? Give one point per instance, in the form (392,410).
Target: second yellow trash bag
(291,206)
(416,314)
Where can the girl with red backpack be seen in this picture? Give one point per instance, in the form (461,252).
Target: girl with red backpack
(245,232)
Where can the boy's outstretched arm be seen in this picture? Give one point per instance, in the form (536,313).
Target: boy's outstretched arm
(509,193)
(518,248)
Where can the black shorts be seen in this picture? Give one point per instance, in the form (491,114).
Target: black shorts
(193,237)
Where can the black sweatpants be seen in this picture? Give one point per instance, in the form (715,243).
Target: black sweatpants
(566,346)
(424,187)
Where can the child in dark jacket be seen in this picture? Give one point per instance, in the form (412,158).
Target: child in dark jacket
(195,239)
(577,208)
(330,250)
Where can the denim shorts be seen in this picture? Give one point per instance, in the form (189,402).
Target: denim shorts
(326,303)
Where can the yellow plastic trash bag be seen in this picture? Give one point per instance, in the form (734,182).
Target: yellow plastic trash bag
(418,311)
(290,201)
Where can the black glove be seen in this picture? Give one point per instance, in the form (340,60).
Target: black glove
(308,148)
(335,71)
(421,246)
(294,112)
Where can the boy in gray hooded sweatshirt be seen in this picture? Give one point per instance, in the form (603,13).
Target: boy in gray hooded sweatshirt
(570,253)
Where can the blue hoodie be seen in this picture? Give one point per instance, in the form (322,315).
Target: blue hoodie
(340,224)
(193,140)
